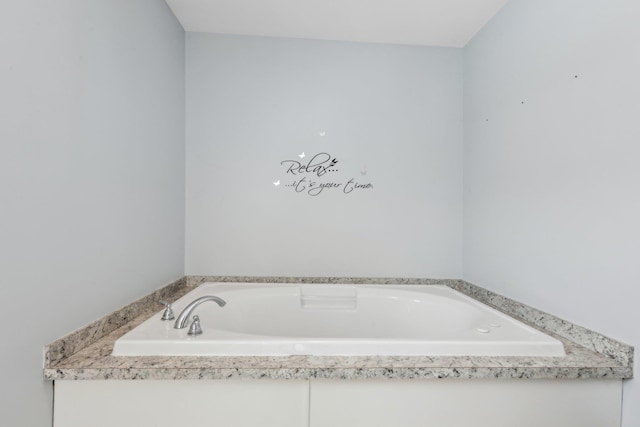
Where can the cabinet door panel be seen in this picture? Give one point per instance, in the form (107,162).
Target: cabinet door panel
(478,403)
(199,403)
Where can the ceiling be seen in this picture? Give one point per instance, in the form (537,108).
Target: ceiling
(448,23)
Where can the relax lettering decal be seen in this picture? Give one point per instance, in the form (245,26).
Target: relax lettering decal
(318,175)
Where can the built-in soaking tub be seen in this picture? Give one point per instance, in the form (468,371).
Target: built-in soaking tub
(298,319)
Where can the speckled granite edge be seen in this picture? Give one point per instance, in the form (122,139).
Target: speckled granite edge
(622,353)
(337,373)
(83,337)
(96,362)
(198,280)
(86,353)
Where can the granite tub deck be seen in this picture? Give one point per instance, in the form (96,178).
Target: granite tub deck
(86,354)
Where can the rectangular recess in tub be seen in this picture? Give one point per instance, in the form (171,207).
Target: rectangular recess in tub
(338,320)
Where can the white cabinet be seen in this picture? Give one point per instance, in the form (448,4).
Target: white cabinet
(477,403)
(167,403)
(338,403)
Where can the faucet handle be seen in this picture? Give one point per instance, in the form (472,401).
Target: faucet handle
(195,328)
(168,312)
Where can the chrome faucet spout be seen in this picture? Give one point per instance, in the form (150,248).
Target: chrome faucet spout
(181,321)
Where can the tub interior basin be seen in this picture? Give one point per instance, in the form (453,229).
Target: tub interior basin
(341,320)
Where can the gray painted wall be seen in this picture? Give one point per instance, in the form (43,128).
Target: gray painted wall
(392,117)
(91,174)
(552,176)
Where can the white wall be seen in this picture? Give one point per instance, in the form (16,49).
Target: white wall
(392,112)
(91,174)
(552,155)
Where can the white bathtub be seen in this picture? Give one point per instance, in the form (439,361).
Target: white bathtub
(295,319)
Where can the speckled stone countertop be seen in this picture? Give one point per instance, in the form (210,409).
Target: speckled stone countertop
(86,354)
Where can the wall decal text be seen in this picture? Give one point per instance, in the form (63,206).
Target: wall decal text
(319,174)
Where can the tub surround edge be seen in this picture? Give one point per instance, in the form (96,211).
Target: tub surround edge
(243,373)
(592,340)
(198,280)
(85,354)
(79,339)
